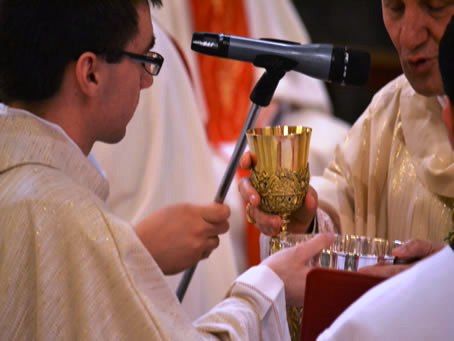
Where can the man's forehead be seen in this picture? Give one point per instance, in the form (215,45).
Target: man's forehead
(145,38)
(152,38)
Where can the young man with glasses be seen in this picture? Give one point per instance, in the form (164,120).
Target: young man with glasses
(70,75)
(164,160)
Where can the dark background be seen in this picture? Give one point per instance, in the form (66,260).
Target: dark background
(357,24)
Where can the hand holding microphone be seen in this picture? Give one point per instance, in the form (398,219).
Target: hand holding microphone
(322,61)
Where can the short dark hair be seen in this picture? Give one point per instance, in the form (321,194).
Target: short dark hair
(446,60)
(38,38)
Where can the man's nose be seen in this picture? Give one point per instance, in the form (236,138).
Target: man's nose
(414,30)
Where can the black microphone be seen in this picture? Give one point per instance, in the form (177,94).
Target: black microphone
(322,61)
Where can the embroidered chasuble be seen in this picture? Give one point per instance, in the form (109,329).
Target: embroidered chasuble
(72,270)
(392,178)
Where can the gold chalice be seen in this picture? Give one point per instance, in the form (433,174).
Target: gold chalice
(280,174)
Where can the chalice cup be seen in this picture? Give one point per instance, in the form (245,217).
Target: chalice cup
(280,174)
(280,171)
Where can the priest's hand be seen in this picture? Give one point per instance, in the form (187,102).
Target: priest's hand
(406,255)
(292,265)
(270,224)
(179,236)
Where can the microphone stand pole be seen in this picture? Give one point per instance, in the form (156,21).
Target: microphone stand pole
(261,96)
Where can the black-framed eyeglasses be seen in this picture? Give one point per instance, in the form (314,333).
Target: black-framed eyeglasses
(151,61)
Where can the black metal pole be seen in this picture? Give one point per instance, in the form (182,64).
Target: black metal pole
(261,96)
(224,186)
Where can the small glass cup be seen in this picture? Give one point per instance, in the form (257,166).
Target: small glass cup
(348,252)
(352,252)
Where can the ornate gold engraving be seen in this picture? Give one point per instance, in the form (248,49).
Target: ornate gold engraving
(282,191)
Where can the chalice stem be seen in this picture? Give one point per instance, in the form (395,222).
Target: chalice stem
(285,222)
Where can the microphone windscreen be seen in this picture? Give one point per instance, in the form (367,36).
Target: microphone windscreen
(212,44)
(349,67)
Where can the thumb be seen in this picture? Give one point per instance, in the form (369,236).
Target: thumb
(315,245)
(247,161)
(306,214)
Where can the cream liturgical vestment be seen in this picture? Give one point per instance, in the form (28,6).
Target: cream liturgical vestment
(393,176)
(71,270)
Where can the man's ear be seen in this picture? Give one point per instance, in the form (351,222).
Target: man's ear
(87,72)
(448,118)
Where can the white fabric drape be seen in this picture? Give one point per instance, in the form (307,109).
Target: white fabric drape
(307,96)
(414,305)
